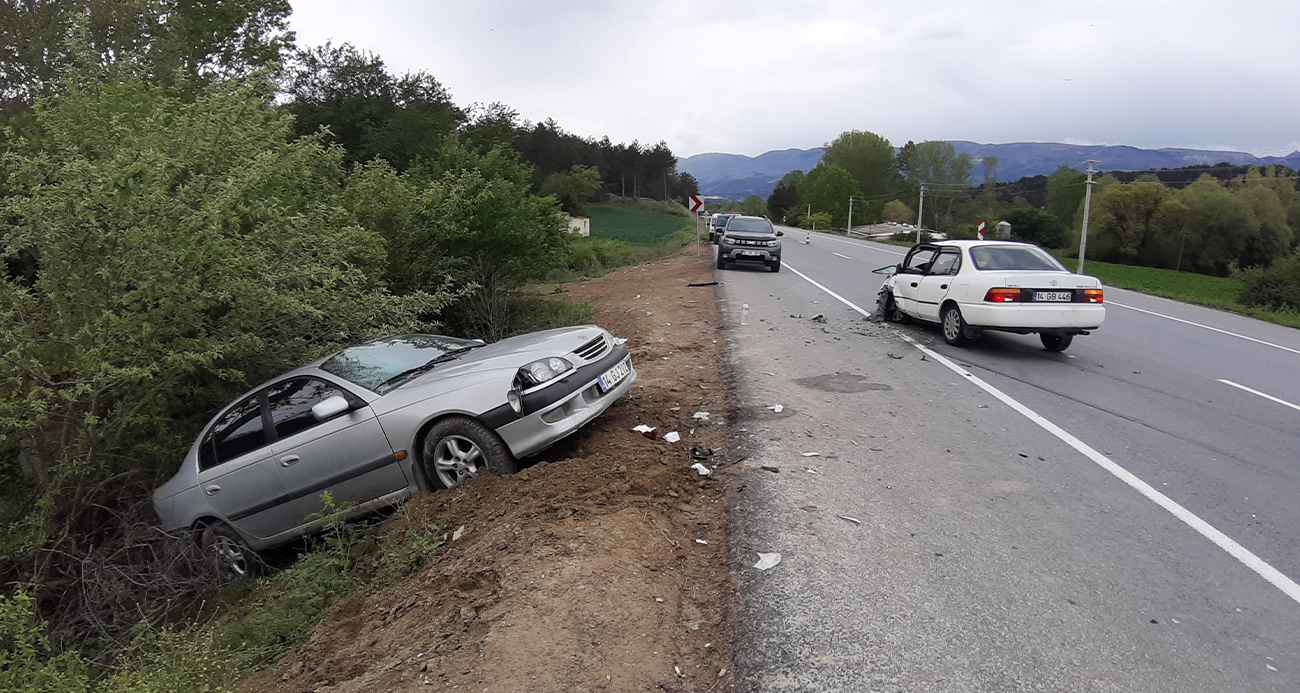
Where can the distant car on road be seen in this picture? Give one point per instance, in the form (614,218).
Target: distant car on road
(375,423)
(750,239)
(971,286)
(717,223)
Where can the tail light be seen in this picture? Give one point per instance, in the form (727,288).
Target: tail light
(1092,295)
(1003,296)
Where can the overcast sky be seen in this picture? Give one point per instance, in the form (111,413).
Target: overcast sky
(751,76)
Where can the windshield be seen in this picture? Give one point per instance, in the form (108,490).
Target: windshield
(749,225)
(1010,257)
(373,363)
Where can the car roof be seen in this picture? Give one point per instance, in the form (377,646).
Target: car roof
(968,243)
(744,216)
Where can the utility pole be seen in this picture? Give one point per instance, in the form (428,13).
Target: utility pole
(1087,207)
(849,231)
(920,210)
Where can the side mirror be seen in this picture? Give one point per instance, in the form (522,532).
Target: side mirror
(887,271)
(329,408)
(780,233)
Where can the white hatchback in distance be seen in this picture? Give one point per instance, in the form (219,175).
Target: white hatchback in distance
(971,286)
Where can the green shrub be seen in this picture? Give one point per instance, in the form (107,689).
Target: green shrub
(1275,288)
(27,662)
(820,221)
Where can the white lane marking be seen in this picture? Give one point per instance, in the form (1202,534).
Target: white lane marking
(846,257)
(1207,327)
(1261,394)
(1274,576)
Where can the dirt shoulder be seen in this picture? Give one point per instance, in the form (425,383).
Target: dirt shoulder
(584,572)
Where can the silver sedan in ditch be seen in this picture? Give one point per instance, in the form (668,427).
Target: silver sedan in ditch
(375,423)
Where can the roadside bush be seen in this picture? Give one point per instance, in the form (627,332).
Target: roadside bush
(820,221)
(592,257)
(1275,288)
(27,662)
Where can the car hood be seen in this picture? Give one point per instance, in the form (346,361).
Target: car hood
(494,362)
(746,236)
(1032,279)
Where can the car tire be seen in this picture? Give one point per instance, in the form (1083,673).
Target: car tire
(228,554)
(889,309)
(776,266)
(722,264)
(1056,342)
(954,326)
(459,448)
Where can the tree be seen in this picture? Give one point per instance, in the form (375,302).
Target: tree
(785,195)
(1066,187)
(990,173)
(686,186)
(899,212)
(869,160)
(903,160)
(573,189)
(1036,226)
(1273,240)
(819,220)
(753,206)
(937,162)
(367,110)
(827,188)
(1219,226)
(1137,223)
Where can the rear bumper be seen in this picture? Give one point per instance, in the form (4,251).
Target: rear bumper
(1023,316)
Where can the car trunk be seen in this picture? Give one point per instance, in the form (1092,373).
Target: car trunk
(1043,287)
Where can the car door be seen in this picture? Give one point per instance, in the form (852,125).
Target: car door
(934,285)
(909,278)
(347,455)
(237,472)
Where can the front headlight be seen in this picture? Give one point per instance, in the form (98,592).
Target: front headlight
(773,244)
(544,370)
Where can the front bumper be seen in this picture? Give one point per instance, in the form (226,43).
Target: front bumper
(1023,316)
(538,430)
(749,253)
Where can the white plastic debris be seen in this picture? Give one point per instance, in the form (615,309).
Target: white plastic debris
(776,408)
(642,428)
(767,560)
(672,437)
(704,471)
(702,541)
(460,531)
(701,415)
(854,520)
(659,600)
(678,669)
(812,454)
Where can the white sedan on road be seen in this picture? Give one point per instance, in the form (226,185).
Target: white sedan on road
(971,286)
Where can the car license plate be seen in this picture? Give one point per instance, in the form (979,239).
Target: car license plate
(1053,296)
(751,253)
(615,375)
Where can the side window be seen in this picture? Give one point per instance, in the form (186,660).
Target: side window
(947,263)
(919,261)
(291,402)
(238,432)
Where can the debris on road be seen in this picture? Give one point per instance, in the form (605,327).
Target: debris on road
(460,531)
(702,541)
(700,452)
(770,468)
(854,520)
(704,471)
(702,284)
(672,437)
(776,408)
(812,454)
(896,358)
(767,560)
(701,415)
(642,428)
(819,318)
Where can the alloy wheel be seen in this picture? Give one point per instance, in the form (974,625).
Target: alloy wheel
(230,556)
(456,459)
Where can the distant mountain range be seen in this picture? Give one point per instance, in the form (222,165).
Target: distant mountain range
(734,176)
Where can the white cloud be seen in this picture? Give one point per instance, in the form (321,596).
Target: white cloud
(732,75)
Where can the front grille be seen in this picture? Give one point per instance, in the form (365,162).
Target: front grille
(594,349)
(742,241)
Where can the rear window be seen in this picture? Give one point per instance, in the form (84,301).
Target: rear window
(749,225)
(1010,257)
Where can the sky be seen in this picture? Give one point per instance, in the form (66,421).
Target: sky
(749,76)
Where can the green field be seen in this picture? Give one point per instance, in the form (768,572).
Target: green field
(1215,292)
(633,225)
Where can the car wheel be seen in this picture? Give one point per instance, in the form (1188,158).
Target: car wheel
(954,326)
(1056,342)
(889,309)
(228,553)
(776,266)
(458,449)
(722,264)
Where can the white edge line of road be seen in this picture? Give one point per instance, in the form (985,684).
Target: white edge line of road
(1261,394)
(1205,529)
(1113,303)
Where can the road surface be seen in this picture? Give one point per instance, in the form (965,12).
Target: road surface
(1055,573)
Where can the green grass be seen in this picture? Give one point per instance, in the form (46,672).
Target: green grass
(633,224)
(1200,289)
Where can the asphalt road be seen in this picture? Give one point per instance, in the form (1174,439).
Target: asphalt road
(1150,603)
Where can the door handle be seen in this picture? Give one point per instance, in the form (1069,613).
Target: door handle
(943,286)
(212,490)
(288,460)
(913,285)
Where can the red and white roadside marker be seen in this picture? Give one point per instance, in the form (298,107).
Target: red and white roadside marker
(980,230)
(696,203)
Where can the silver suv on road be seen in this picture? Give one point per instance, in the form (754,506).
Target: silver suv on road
(750,239)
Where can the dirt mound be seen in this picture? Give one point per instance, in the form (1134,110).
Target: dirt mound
(584,572)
